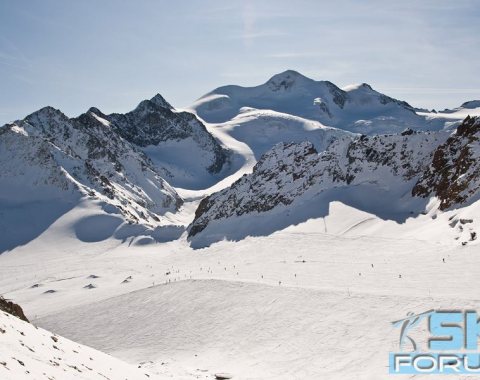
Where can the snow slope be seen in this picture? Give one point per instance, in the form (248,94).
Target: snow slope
(260,130)
(28,352)
(266,307)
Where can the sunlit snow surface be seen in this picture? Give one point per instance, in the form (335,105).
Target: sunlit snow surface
(28,352)
(277,307)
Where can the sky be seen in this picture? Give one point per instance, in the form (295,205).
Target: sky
(112,54)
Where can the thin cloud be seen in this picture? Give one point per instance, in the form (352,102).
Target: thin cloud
(248,17)
(250,31)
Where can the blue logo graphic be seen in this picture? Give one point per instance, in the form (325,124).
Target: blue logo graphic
(452,344)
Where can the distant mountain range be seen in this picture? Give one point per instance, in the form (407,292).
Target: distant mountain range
(355,108)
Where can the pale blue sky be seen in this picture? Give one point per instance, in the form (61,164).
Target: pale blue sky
(111,54)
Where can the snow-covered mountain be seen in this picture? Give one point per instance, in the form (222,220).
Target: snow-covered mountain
(471,104)
(374,174)
(313,223)
(356,108)
(47,153)
(51,164)
(176,141)
(452,116)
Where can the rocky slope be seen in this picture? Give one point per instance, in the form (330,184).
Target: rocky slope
(454,173)
(357,108)
(166,134)
(296,171)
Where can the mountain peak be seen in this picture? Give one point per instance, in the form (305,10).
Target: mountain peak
(160,101)
(47,110)
(287,73)
(366,86)
(153,104)
(47,113)
(469,127)
(358,87)
(286,80)
(95,110)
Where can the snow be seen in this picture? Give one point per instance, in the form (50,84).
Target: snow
(452,118)
(175,140)
(185,162)
(28,352)
(262,129)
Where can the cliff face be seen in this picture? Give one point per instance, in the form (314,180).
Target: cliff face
(12,308)
(454,173)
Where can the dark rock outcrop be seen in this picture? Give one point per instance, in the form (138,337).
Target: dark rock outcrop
(454,173)
(12,308)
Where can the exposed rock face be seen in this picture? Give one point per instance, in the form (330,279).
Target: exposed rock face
(155,121)
(454,174)
(263,189)
(47,152)
(288,171)
(12,308)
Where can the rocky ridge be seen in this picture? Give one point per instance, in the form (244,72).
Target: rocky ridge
(289,170)
(50,155)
